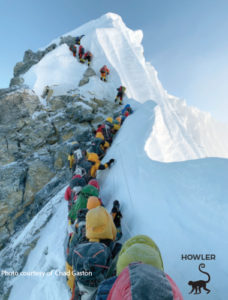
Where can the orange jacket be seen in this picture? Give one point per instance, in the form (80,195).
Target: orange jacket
(104,69)
(88,54)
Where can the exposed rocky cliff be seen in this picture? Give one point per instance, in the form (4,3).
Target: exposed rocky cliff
(31,58)
(34,143)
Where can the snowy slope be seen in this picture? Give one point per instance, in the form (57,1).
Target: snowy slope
(181,205)
(178,133)
(43,275)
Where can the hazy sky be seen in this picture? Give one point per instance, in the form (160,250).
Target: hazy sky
(185,40)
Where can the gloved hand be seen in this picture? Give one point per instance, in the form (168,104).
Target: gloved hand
(110,162)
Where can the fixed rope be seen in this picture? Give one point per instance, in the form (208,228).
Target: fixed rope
(128,189)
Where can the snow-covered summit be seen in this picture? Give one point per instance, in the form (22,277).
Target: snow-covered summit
(177,133)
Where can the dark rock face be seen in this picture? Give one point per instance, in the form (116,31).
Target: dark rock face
(69,40)
(11,197)
(88,73)
(83,81)
(29,55)
(34,144)
(16,81)
(50,48)
(4,92)
(21,67)
(30,58)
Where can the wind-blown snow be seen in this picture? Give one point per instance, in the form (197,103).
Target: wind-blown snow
(170,185)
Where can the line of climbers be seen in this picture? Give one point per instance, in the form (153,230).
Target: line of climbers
(104,71)
(81,51)
(98,266)
(103,136)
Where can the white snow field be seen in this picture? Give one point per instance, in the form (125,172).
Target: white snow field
(182,206)
(170,174)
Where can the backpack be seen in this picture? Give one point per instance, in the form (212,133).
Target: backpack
(84,168)
(81,50)
(104,288)
(100,128)
(78,155)
(81,215)
(87,54)
(77,182)
(91,262)
(81,232)
(79,235)
(96,146)
(80,226)
(128,109)
(82,199)
(121,89)
(73,48)
(102,70)
(82,165)
(74,184)
(106,130)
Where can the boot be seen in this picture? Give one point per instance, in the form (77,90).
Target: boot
(116,204)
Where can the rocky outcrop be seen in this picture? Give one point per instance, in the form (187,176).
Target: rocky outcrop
(11,187)
(21,67)
(83,81)
(30,58)
(21,184)
(69,40)
(16,81)
(4,92)
(34,143)
(88,73)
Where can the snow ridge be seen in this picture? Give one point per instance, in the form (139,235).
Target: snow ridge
(179,132)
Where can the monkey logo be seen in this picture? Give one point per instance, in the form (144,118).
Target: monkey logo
(198,285)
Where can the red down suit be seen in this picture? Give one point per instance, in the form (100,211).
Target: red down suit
(144,282)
